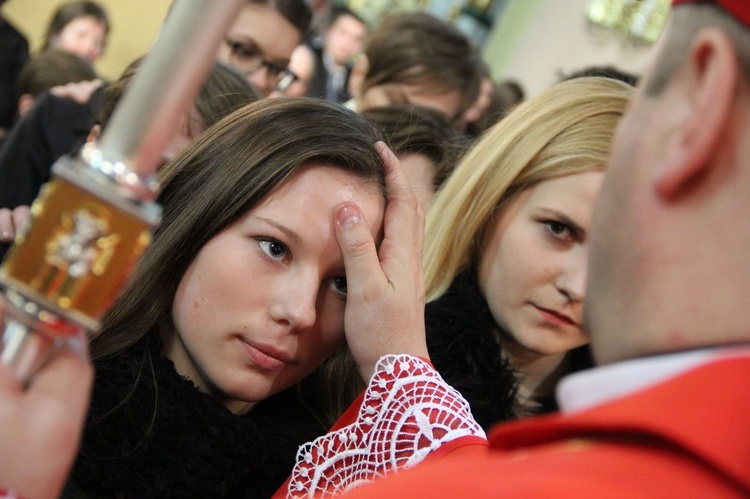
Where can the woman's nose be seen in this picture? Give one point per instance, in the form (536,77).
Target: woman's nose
(571,282)
(295,304)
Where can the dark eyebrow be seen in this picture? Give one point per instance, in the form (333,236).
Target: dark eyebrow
(246,42)
(566,220)
(286,230)
(252,44)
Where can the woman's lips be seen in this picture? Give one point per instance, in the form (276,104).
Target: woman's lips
(266,357)
(556,318)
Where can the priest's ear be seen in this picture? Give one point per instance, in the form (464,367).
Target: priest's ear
(705,87)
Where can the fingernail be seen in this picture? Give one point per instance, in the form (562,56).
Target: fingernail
(348,215)
(6,235)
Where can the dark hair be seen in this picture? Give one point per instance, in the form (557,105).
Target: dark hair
(51,68)
(418,130)
(603,72)
(342,10)
(297,12)
(71,11)
(419,49)
(221,176)
(505,96)
(224,91)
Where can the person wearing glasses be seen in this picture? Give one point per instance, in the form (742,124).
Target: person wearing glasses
(261,40)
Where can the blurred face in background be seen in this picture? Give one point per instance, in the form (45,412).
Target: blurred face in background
(345,39)
(84,36)
(260,43)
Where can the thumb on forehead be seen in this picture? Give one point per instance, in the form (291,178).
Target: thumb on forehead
(357,247)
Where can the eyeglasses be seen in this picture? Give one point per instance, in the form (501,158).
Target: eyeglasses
(248,58)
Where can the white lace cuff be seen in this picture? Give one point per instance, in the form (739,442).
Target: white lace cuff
(408,411)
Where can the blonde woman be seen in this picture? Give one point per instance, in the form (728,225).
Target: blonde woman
(506,249)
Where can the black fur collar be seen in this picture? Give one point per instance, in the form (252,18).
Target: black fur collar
(190,446)
(464,348)
(463,342)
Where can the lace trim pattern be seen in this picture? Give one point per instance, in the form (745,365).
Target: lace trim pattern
(408,411)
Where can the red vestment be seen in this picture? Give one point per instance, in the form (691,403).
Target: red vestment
(688,436)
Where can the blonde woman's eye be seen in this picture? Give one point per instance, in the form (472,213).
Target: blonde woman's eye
(559,230)
(274,249)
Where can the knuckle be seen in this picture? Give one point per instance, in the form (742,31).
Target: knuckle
(414,203)
(370,294)
(367,293)
(420,214)
(358,246)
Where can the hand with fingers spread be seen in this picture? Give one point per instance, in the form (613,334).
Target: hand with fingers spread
(12,222)
(40,426)
(385,289)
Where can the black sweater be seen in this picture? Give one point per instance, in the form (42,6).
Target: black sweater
(159,436)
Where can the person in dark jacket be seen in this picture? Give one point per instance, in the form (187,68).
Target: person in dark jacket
(58,125)
(15,53)
(334,55)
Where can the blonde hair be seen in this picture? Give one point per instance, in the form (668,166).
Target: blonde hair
(565,130)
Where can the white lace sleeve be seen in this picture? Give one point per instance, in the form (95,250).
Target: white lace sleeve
(408,411)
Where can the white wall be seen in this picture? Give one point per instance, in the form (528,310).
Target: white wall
(135,24)
(536,39)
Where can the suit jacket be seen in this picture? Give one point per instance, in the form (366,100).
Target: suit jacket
(318,86)
(686,437)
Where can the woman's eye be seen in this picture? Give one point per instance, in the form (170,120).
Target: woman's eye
(247,52)
(274,249)
(559,230)
(338,284)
